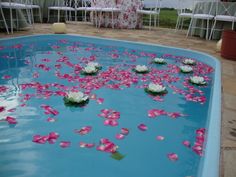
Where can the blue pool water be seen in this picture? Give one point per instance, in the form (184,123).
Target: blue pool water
(49,65)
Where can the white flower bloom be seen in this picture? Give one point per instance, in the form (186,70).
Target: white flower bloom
(197,80)
(141,68)
(156,88)
(189,61)
(93,64)
(77,97)
(90,69)
(159,60)
(186,69)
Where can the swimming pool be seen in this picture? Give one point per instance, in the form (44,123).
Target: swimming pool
(121,130)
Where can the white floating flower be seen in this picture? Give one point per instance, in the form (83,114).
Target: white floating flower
(186,69)
(197,80)
(76,97)
(94,64)
(141,68)
(189,61)
(156,88)
(159,60)
(90,70)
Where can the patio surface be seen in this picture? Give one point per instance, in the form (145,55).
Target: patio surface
(177,39)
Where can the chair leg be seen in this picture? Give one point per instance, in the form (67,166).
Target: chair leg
(85,15)
(190,27)
(66,16)
(233,25)
(207,29)
(155,20)
(76,16)
(177,24)
(112,14)
(182,24)
(58,16)
(48,15)
(40,16)
(99,19)
(4,20)
(32,16)
(11,18)
(150,21)
(212,29)
(194,26)
(17,22)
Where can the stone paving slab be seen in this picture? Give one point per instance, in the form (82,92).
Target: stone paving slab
(229,163)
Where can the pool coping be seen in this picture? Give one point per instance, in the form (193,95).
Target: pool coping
(211,161)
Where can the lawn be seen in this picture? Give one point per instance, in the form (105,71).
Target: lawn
(168,18)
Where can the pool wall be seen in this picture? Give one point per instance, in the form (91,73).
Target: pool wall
(210,163)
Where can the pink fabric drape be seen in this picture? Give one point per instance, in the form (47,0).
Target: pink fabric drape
(127,18)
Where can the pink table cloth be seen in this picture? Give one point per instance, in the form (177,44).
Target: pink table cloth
(126,18)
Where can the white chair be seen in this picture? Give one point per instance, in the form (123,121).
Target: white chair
(18,5)
(154,7)
(3,18)
(184,11)
(87,7)
(61,6)
(82,6)
(225,12)
(33,6)
(111,10)
(202,12)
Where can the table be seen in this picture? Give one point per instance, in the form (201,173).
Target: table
(22,21)
(127,18)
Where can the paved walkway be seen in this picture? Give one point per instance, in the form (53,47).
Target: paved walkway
(170,37)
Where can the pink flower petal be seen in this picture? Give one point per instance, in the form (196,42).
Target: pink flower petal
(2,108)
(40,139)
(84,130)
(160,138)
(187,143)
(93,97)
(6,77)
(110,122)
(107,146)
(100,100)
(142,127)
(11,120)
(11,110)
(86,145)
(120,136)
(124,131)
(173,156)
(49,110)
(53,135)
(155,112)
(65,144)
(51,119)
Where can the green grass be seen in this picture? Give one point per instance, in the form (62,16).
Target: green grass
(168,18)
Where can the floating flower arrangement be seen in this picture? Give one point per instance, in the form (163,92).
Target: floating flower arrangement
(95,65)
(186,69)
(155,89)
(91,68)
(189,61)
(159,61)
(197,80)
(141,69)
(76,99)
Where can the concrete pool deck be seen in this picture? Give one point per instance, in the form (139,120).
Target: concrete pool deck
(176,39)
